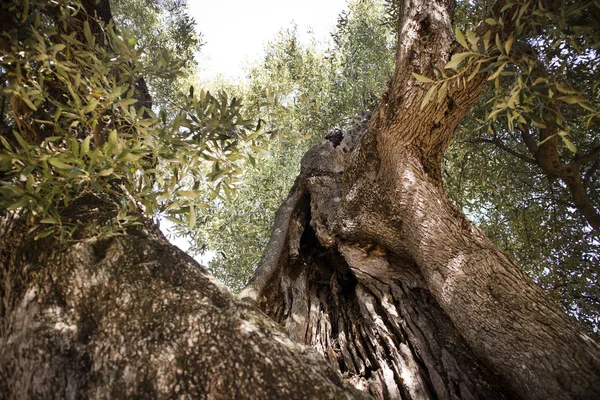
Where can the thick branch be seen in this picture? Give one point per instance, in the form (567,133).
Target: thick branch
(547,158)
(590,156)
(588,175)
(529,141)
(581,198)
(426,40)
(132,316)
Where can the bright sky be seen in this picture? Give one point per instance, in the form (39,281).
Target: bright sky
(236,31)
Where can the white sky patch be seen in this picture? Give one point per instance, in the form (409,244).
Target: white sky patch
(236,31)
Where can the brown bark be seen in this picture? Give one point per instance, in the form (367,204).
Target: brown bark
(409,299)
(548,159)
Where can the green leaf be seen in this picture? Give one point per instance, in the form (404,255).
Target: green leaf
(88,33)
(572,99)
(85,146)
(461,38)
(5,143)
(91,106)
(565,88)
(40,57)
(587,106)
(44,233)
(55,162)
(57,47)
(497,73)
(486,40)
(20,139)
(589,121)
(422,78)
(18,204)
(127,156)
(192,218)
(50,220)
(457,58)
(442,92)
(30,182)
(190,194)
(475,71)
(74,146)
(113,140)
(25,98)
(127,102)
(428,95)
(472,39)
(569,144)
(491,21)
(508,44)
(545,140)
(105,172)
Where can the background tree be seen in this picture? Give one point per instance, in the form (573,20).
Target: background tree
(299,92)
(161,27)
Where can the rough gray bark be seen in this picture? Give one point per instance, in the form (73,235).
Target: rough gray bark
(131,316)
(363,307)
(414,303)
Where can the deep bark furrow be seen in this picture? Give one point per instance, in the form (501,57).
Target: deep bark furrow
(364,293)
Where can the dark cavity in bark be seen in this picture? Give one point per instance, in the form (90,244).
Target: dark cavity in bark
(384,332)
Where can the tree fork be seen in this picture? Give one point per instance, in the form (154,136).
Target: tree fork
(383,189)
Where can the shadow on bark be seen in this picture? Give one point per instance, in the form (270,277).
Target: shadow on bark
(374,321)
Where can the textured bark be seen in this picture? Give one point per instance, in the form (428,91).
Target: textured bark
(131,316)
(392,283)
(364,308)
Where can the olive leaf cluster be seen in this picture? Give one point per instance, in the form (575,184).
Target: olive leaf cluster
(526,93)
(78,120)
(161,26)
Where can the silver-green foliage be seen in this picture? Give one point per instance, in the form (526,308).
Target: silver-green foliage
(76,125)
(162,26)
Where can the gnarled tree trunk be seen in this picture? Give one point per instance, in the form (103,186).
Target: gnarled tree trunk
(371,264)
